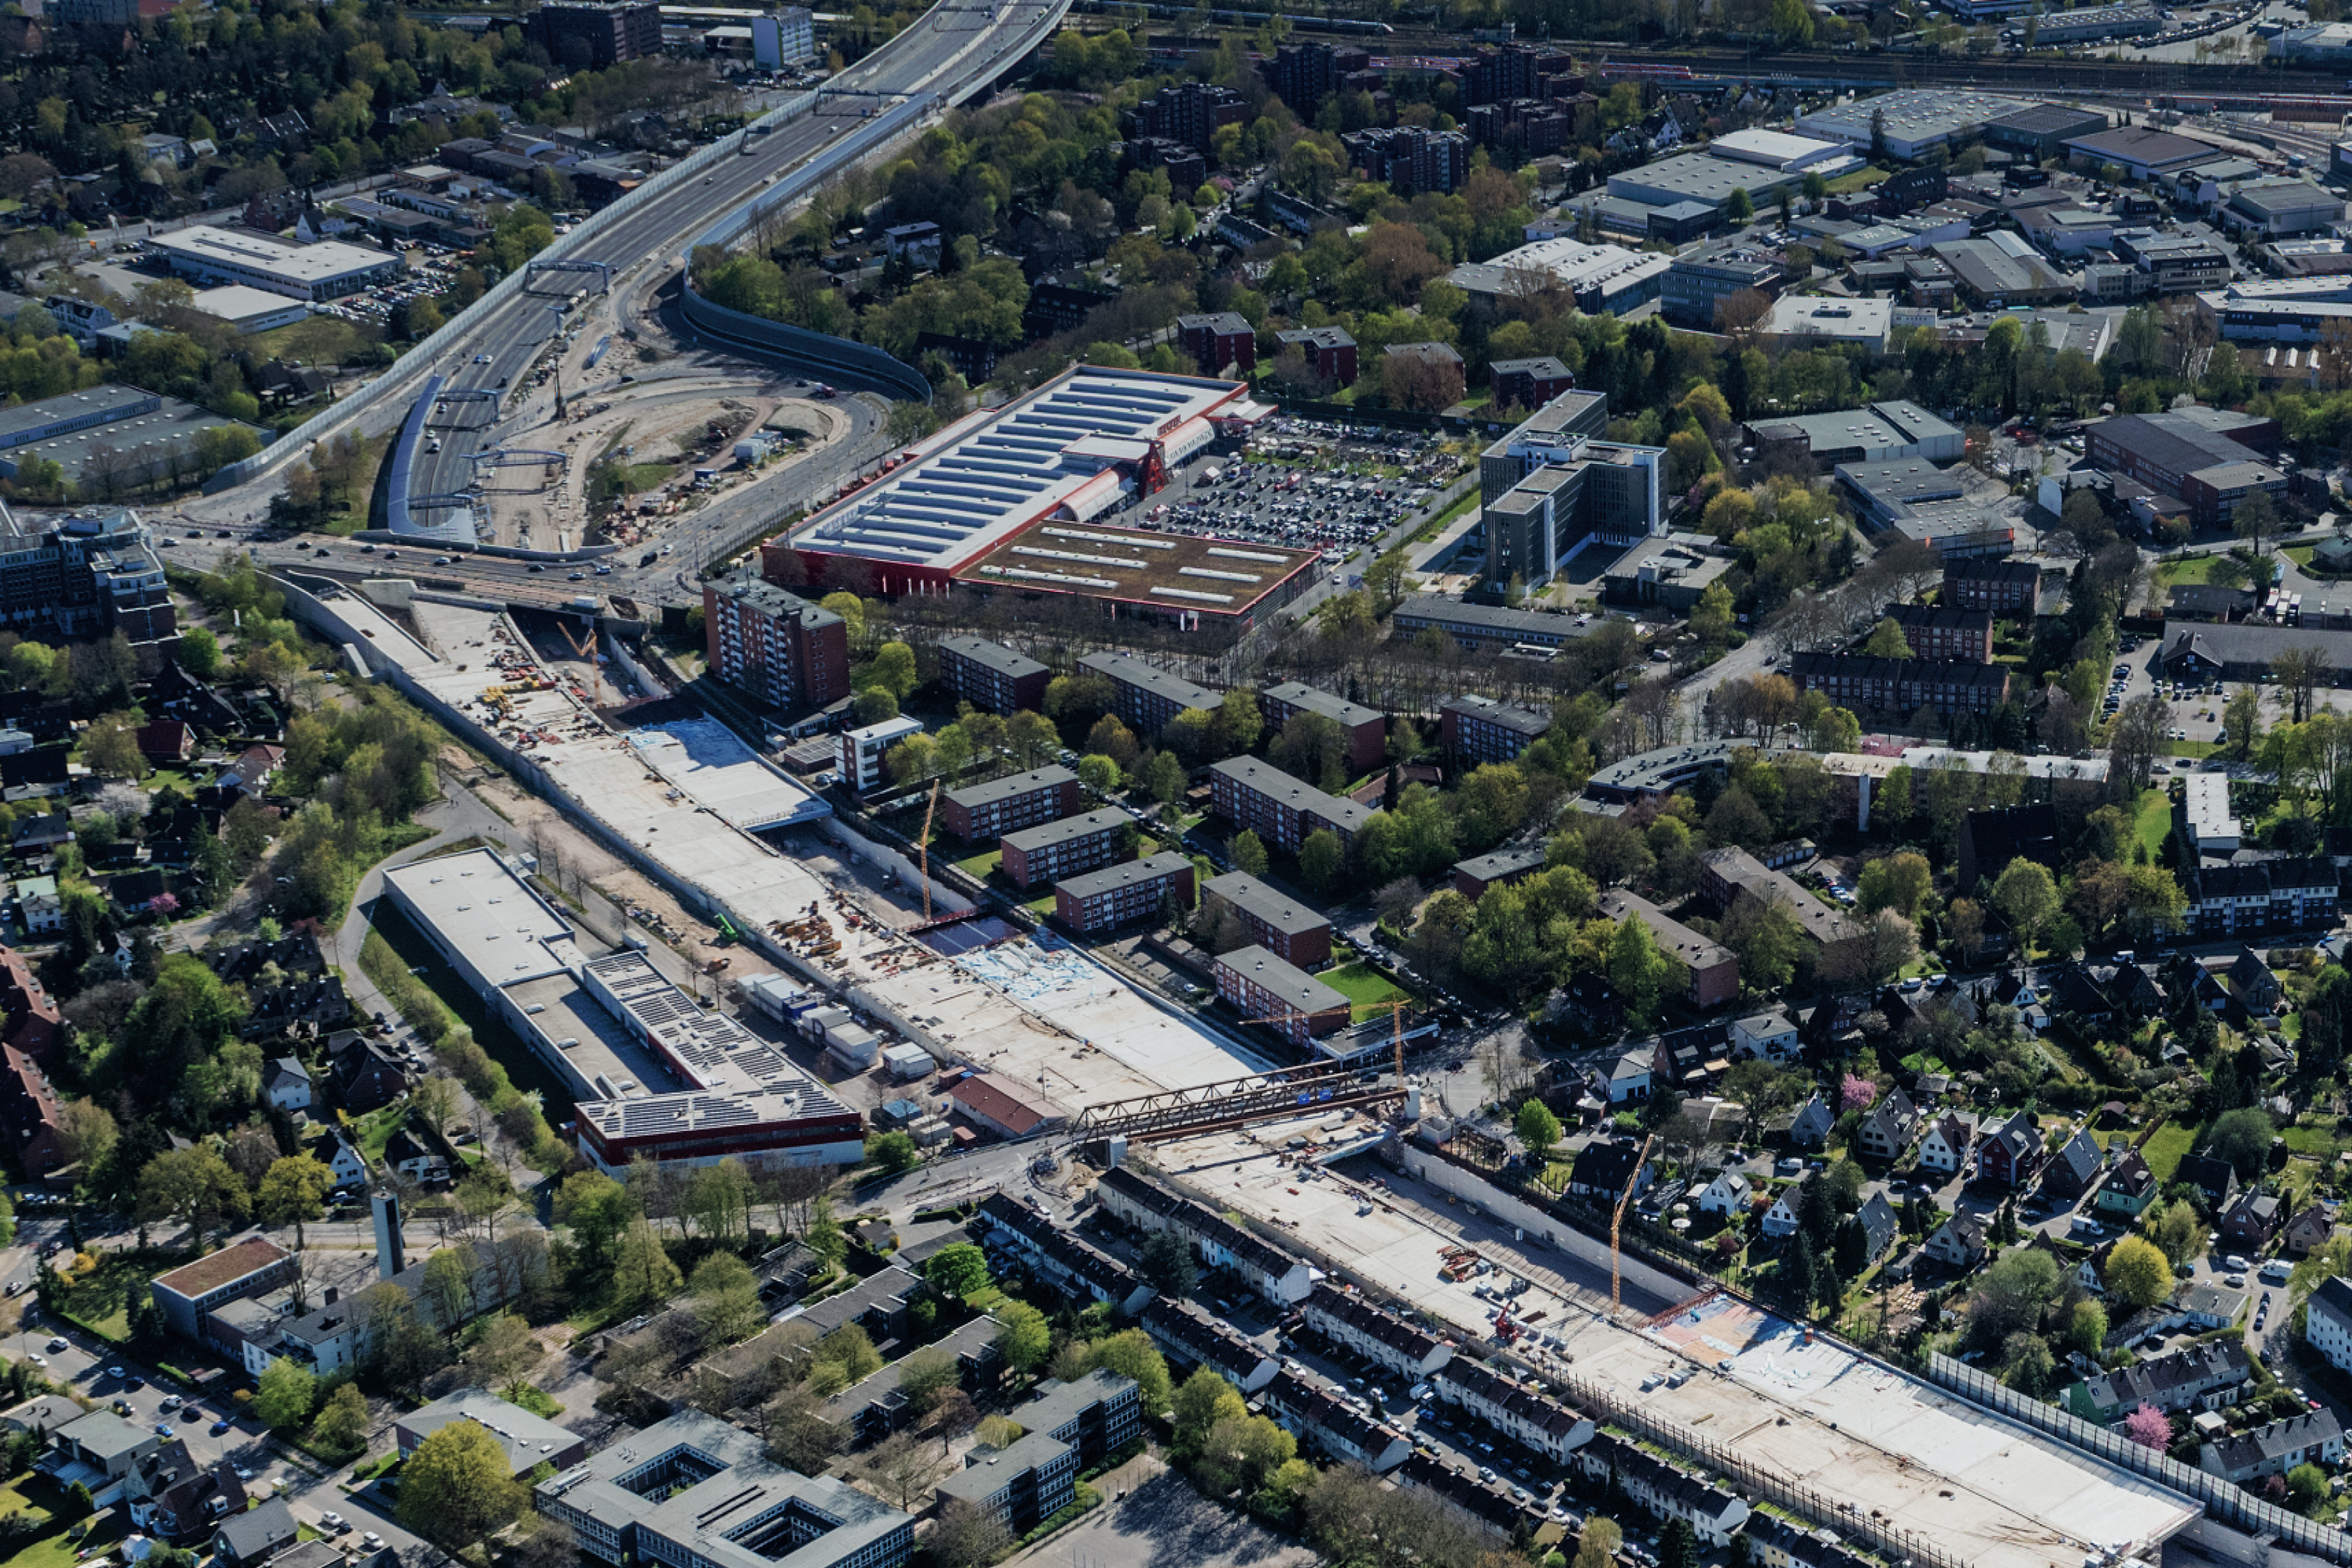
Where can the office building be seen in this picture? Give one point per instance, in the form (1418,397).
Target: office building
(692,1491)
(992,676)
(1281,810)
(1528,383)
(1053,851)
(774,645)
(1695,284)
(580,35)
(1365,729)
(1271,918)
(1120,895)
(1603,279)
(985,812)
(83,575)
(1551,487)
(326,270)
(1886,431)
(1481,730)
(785,36)
(1486,628)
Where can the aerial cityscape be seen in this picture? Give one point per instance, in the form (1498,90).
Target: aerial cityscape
(1072,783)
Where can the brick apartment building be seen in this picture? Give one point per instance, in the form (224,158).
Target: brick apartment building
(1481,730)
(1116,894)
(1528,383)
(1148,696)
(1293,1002)
(1276,921)
(1279,809)
(1217,341)
(1330,351)
(577,35)
(1367,729)
(978,812)
(989,676)
(779,647)
(1901,685)
(1936,633)
(1710,969)
(1979,582)
(1190,112)
(1075,845)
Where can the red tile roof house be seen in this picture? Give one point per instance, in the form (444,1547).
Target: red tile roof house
(166,742)
(999,1105)
(28,1114)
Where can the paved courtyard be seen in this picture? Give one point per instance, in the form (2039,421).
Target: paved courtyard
(1161,1522)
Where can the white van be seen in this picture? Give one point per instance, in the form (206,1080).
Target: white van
(2277,1271)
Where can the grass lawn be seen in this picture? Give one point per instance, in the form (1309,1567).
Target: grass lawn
(1043,906)
(2194,748)
(537,1401)
(2187,569)
(2165,1150)
(56,1550)
(2299,553)
(375,1129)
(1363,985)
(102,1298)
(2155,823)
(1859,180)
(983,866)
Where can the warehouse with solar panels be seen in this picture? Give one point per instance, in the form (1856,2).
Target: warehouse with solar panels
(1029,499)
(654,1074)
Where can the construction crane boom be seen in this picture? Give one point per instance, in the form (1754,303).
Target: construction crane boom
(586,650)
(926,847)
(1617,1223)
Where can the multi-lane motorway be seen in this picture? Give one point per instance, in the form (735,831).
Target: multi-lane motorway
(956,48)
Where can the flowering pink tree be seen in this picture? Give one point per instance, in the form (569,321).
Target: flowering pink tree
(164,904)
(1857,1092)
(2149,1427)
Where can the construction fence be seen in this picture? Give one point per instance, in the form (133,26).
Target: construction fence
(2225,1499)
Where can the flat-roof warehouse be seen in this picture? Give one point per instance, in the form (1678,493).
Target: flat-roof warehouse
(327,270)
(1014,500)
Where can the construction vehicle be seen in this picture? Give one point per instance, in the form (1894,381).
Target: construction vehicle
(1617,1225)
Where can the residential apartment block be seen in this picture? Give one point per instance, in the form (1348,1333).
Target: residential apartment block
(1523,1410)
(1935,633)
(779,647)
(1148,696)
(1276,921)
(1984,582)
(1053,851)
(1367,729)
(1376,1335)
(1282,997)
(1712,970)
(1117,895)
(1901,685)
(989,676)
(2265,895)
(1219,1242)
(1481,730)
(978,812)
(1278,809)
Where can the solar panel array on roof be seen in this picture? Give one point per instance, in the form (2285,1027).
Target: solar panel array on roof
(1013,468)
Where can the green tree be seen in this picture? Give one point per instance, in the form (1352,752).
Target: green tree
(1639,968)
(1537,1128)
(596,1209)
(1741,207)
(1239,722)
(925,1376)
(957,1271)
(1248,853)
(1202,1401)
(2243,1137)
(1886,641)
(895,1153)
(2307,1483)
(1023,1337)
(1098,774)
(294,1192)
(1132,1355)
(893,670)
(2028,899)
(823,1237)
(458,1489)
(504,1353)
(1322,862)
(1165,1261)
(1597,1543)
(342,1424)
(283,1397)
(643,1274)
(199,652)
(193,1185)
(726,1298)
